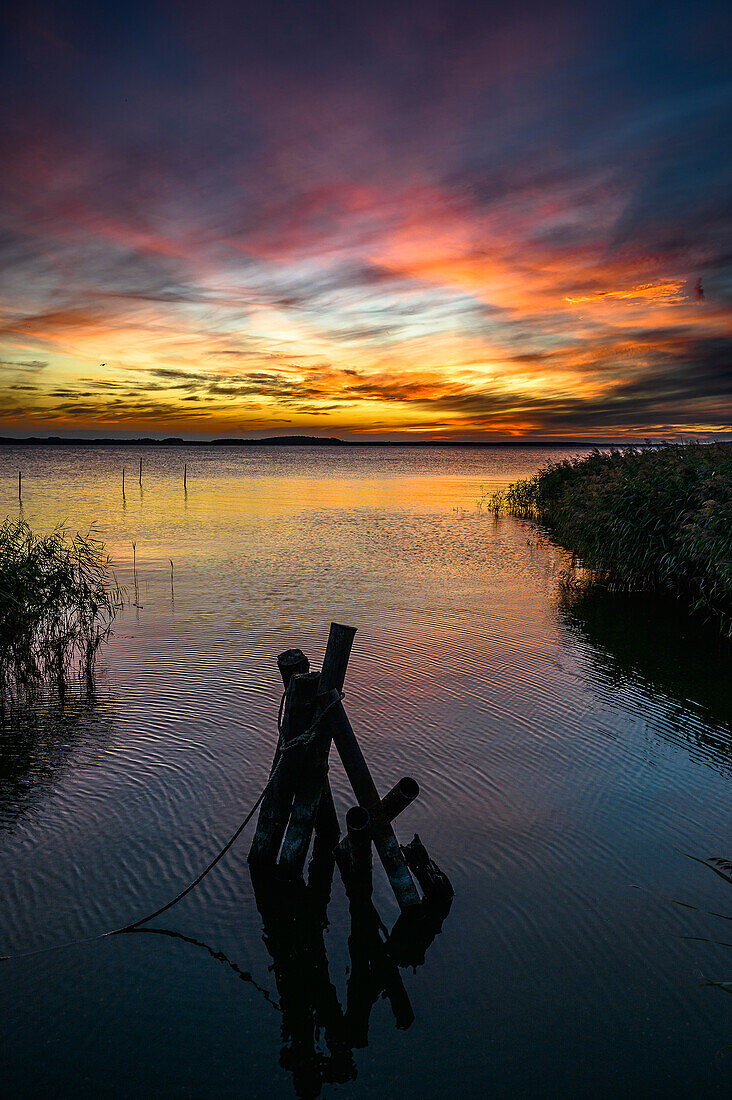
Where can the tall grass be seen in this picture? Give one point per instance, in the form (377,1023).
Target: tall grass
(58,598)
(654,519)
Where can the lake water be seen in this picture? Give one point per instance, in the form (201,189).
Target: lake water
(569,751)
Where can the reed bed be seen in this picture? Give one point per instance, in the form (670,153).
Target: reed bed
(656,518)
(58,597)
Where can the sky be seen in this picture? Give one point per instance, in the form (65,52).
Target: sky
(372,220)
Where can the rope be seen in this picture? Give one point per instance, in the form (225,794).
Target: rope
(302,739)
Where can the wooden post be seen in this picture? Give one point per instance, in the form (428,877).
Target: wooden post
(335,663)
(401,795)
(353,854)
(185,477)
(337,653)
(20,495)
(298,714)
(313,805)
(336,722)
(123,483)
(140,471)
(290,662)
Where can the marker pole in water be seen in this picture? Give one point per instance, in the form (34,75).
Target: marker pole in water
(140,471)
(20,495)
(185,477)
(123,483)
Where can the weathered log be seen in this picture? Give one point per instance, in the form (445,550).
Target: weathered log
(435,884)
(401,795)
(297,715)
(312,786)
(339,728)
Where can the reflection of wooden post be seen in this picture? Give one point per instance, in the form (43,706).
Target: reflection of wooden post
(373,971)
(297,716)
(387,846)
(293,934)
(313,799)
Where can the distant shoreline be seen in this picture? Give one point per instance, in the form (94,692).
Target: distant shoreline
(304,441)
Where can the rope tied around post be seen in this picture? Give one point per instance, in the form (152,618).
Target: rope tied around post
(308,735)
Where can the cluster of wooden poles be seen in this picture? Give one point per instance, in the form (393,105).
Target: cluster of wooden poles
(298,810)
(298,801)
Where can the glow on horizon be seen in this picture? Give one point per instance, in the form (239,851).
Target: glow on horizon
(277,248)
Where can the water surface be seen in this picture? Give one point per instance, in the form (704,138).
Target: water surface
(568,751)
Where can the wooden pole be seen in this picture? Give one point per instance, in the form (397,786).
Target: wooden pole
(140,471)
(401,795)
(298,714)
(313,790)
(337,653)
(353,854)
(20,495)
(123,482)
(336,722)
(290,662)
(185,477)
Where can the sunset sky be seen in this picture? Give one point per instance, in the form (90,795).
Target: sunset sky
(420,220)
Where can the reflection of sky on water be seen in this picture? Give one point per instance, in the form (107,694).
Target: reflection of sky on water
(558,755)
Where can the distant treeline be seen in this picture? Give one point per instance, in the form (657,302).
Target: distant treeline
(653,519)
(295,441)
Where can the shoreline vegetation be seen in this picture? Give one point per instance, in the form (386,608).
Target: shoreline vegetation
(58,598)
(656,518)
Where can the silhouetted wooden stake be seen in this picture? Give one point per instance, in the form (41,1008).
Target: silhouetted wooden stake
(140,471)
(172,590)
(185,477)
(20,495)
(313,789)
(123,482)
(297,716)
(353,854)
(336,722)
(337,653)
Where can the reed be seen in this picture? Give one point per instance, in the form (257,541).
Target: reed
(58,597)
(656,518)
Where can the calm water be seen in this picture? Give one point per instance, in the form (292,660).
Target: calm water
(568,752)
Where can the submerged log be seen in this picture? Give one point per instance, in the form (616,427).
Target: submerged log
(297,715)
(313,804)
(435,884)
(339,728)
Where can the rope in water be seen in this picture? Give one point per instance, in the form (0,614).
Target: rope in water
(301,740)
